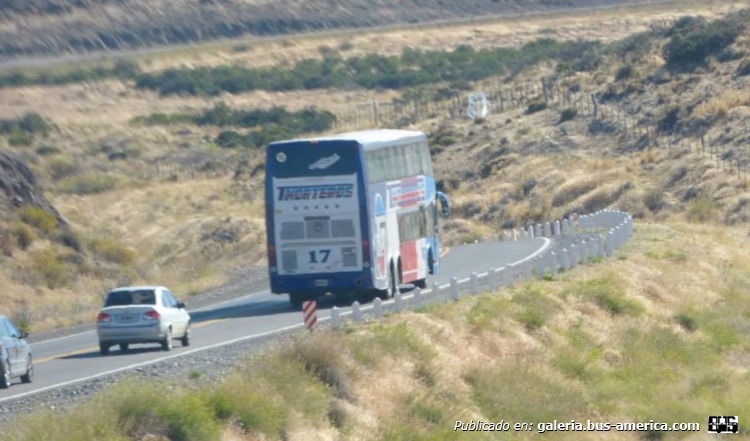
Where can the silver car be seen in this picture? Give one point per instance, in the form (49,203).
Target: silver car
(142,314)
(15,354)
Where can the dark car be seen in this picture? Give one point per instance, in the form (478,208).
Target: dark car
(15,354)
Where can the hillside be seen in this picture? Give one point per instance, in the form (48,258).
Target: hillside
(55,28)
(154,189)
(643,110)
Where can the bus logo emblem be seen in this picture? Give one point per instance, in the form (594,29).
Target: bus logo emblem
(324,163)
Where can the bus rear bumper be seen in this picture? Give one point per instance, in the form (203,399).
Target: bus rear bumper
(335,283)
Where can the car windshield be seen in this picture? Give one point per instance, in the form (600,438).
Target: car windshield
(135,297)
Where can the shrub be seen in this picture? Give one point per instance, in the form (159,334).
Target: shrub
(744,67)
(46,150)
(88,184)
(568,114)
(624,72)
(609,295)
(21,234)
(113,251)
(70,239)
(18,138)
(692,41)
(38,218)
(654,199)
(536,107)
(52,269)
(668,123)
(700,209)
(60,168)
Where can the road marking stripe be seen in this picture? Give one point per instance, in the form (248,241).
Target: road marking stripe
(94,348)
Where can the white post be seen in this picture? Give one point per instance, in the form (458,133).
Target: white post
(510,275)
(564,259)
(547,229)
(417,298)
(377,309)
(539,268)
(356,312)
(584,252)
(557,228)
(573,256)
(554,264)
(610,243)
(335,318)
(397,302)
(435,288)
(492,278)
(505,236)
(474,283)
(454,288)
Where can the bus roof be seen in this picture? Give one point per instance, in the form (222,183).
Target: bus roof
(368,138)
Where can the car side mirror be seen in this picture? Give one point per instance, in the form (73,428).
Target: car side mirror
(23,334)
(181,305)
(445,206)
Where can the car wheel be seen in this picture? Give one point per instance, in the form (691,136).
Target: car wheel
(5,377)
(28,377)
(124,346)
(185,340)
(166,344)
(103,348)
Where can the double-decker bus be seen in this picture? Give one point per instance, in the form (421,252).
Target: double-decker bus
(351,213)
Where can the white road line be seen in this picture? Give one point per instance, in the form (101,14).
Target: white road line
(146,363)
(547,243)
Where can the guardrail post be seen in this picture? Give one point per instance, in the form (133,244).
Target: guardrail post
(505,236)
(417,298)
(356,312)
(564,261)
(377,308)
(538,230)
(494,237)
(398,302)
(547,229)
(492,279)
(554,263)
(474,283)
(573,255)
(510,275)
(515,234)
(454,288)
(610,243)
(557,228)
(584,252)
(530,230)
(539,267)
(335,318)
(565,226)
(435,289)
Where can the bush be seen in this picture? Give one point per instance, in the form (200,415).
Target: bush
(568,114)
(60,168)
(46,150)
(70,239)
(19,138)
(52,269)
(88,184)
(693,40)
(744,67)
(113,251)
(38,218)
(536,107)
(624,72)
(21,234)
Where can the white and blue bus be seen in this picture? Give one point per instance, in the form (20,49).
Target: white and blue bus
(351,213)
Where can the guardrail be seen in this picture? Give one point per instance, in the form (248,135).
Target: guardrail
(595,236)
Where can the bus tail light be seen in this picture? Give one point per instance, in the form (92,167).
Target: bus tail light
(272,258)
(365,254)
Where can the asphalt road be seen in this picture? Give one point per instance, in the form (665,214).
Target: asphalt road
(75,358)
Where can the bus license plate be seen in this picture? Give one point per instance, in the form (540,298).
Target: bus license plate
(321,282)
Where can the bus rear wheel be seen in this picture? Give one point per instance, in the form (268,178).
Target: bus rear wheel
(387,293)
(296,299)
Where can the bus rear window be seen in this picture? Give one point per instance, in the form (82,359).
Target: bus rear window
(302,159)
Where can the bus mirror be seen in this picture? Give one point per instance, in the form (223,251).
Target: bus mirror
(445,206)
